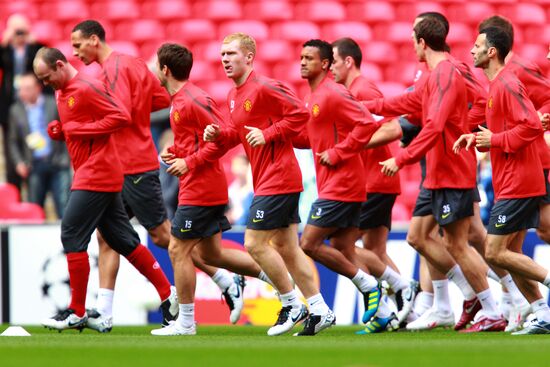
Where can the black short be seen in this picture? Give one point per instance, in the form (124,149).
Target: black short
(334,214)
(423,206)
(142,195)
(546,198)
(477,197)
(376,211)
(199,221)
(273,211)
(513,215)
(450,205)
(88,210)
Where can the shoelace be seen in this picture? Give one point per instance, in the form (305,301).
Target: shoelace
(283,315)
(62,315)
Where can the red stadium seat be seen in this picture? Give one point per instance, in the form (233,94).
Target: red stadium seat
(371,11)
(407,11)
(371,71)
(193,30)
(47,31)
(296,31)
(218,90)
(358,31)
(270,10)
(9,194)
(115,10)
(288,72)
(128,48)
(402,72)
(390,89)
(140,30)
(400,213)
(380,52)
(217,9)
(320,11)
(258,30)
(208,51)
(166,9)
(276,51)
(93,70)
(203,71)
(65,10)
(396,32)
(460,33)
(523,13)
(23,213)
(469,12)
(28,8)
(534,52)
(148,50)
(541,33)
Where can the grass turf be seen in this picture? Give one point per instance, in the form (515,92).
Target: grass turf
(228,346)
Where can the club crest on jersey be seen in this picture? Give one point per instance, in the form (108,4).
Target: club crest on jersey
(70,102)
(490,102)
(247,105)
(315,110)
(176,116)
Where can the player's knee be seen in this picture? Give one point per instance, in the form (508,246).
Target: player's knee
(309,247)
(544,234)
(493,256)
(415,241)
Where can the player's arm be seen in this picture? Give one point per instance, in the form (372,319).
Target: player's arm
(286,104)
(408,102)
(301,141)
(388,132)
(537,86)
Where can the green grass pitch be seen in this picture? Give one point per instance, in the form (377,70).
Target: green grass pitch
(227,346)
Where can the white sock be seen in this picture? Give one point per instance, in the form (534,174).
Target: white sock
(441,296)
(541,310)
(457,276)
(516,297)
(290,299)
(394,279)
(384,310)
(263,276)
(488,303)
(423,302)
(223,279)
(363,281)
(492,275)
(104,304)
(186,317)
(317,305)
(547,280)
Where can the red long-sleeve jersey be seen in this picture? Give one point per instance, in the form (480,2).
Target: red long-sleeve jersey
(443,101)
(271,106)
(538,88)
(130,80)
(89,115)
(365,90)
(511,116)
(191,111)
(342,126)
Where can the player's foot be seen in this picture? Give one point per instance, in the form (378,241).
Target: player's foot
(170,307)
(371,299)
(432,319)
(380,324)
(536,326)
(317,323)
(98,322)
(234,298)
(175,329)
(65,319)
(484,323)
(405,300)
(288,317)
(517,317)
(469,310)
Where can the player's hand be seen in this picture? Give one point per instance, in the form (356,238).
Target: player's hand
(55,130)
(324,158)
(545,120)
(389,167)
(177,168)
(167,154)
(211,132)
(465,141)
(483,137)
(255,136)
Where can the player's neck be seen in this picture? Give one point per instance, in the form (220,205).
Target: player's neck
(103,53)
(314,82)
(352,75)
(433,58)
(173,86)
(493,69)
(242,79)
(508,57)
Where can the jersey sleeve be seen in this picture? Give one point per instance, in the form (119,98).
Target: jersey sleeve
(409,102)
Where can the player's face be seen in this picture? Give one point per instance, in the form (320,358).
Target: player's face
(310,63)
(339,68)
(48,76)
(479,51)
(160,75)
(419,48)
(235,61)
(84,48)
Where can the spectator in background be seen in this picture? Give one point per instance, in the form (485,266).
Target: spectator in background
(44,162)
(240,190)
(17,52)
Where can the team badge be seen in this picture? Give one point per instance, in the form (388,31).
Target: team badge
(490,102)
(70,102)
(315,110)
(247,105)
(176,116)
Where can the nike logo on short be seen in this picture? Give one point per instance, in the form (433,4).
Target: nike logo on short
(185,230)
(257,220)
(498,225)
(137,180)
(444,216)
(315,216)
